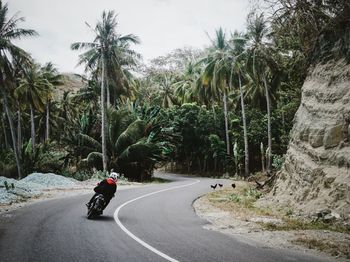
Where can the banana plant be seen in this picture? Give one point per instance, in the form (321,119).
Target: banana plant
(134,145)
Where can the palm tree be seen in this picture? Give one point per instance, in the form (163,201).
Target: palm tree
(166,92)
(245,132)
(260,61)
(35,89)
(4,129)
(185,88)
(238,42)
(67,106)
(88,96)
(9,53)
(216,74)
(108,49)
(120,81)
(133,145)
(18,73)
(50,73)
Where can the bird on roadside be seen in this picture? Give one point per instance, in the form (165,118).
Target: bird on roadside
(213,187)
(233,185)
(220,185)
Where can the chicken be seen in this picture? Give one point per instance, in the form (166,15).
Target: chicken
(213,187)
(233,185)
(220,185)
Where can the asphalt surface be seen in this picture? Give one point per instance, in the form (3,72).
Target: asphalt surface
(57,230)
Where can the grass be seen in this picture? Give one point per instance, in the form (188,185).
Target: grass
(324,246)
(241,202)
(298,224)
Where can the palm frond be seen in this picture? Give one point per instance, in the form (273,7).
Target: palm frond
(91,142)
(83,45)
(94,158)
(133,133)
(140,152)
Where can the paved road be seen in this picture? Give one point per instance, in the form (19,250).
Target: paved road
(57,230)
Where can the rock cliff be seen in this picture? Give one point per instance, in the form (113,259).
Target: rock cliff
(316,172)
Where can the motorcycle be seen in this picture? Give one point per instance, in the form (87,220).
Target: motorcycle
(96,207)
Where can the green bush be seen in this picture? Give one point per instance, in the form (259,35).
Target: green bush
(8,165)
(277,162)
(234,198)
(47,158)
(82,175)
(253,193)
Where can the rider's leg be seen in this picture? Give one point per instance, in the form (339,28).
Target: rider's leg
(89,203)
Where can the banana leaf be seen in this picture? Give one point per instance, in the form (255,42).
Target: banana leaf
(131,135)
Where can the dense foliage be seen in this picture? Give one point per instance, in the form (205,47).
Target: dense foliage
(227,108)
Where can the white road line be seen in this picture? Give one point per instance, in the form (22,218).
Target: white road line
(143,243)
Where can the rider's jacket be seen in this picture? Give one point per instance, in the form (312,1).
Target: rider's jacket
(107,188)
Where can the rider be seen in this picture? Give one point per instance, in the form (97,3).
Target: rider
(107,188)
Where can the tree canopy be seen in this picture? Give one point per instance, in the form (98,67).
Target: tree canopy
(227,108)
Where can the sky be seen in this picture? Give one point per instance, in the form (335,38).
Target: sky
(162,25)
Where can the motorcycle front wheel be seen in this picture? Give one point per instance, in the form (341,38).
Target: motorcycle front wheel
(90,214)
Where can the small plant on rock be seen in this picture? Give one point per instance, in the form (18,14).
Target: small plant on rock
(6,185)
(234,198)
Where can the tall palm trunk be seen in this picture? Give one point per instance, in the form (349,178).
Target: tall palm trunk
(19,131)
(269,135)
(108,105)
(13,134)
(4,127)
(246,149)
(226,124)
(47,134)
(32,125)
(5,133)
(108,94)
(262,152)
(103,118)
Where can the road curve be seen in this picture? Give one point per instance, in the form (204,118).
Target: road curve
(157,216)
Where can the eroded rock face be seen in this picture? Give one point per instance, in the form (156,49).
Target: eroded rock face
(316,173)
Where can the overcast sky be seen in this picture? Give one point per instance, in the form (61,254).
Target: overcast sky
(162,25)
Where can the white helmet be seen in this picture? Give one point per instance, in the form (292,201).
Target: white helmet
(114,176)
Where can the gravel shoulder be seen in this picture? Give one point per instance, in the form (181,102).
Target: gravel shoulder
(245,224)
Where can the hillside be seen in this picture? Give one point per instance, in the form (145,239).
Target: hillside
(316,174)
(72,83)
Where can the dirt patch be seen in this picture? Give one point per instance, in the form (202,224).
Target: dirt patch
(232,211)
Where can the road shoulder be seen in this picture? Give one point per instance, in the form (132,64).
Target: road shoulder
(245,226)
